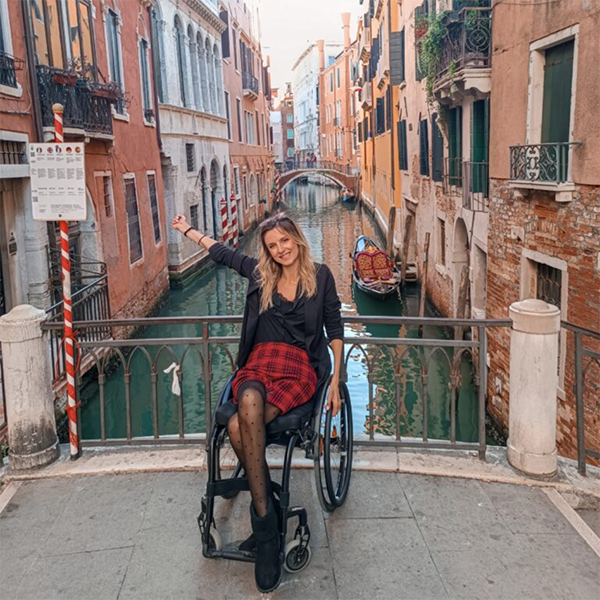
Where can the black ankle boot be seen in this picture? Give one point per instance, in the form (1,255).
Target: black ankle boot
(267,568)
(249,544)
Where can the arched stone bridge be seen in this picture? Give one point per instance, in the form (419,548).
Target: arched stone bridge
(343,179)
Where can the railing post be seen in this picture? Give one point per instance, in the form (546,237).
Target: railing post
(533,387)
(28,388)
(581,453)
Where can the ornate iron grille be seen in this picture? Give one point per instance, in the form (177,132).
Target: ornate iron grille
(83,108)
(541,162)
(469,42)
(9,65)
(12,153)
(549,282)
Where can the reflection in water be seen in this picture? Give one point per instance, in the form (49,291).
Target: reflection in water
(396,372)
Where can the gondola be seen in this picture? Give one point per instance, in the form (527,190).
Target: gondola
(373,271)
(348,196)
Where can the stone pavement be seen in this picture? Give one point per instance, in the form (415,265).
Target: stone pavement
(399,536)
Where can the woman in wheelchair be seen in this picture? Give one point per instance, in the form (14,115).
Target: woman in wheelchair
(283,358)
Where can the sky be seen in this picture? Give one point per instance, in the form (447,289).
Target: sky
(288,27)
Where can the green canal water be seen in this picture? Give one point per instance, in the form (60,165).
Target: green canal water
(331,228)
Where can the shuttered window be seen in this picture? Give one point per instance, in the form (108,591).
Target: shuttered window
(397,57)
(388,108)
(402,149)
(424,148)
(225,47)
(380,116)
(558,78)
(154,206)
(479,146)
(437,150)
(133,221)
(455,146)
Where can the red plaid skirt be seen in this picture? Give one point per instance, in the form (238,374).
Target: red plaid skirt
(284,370)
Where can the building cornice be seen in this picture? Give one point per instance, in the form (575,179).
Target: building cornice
(207,14)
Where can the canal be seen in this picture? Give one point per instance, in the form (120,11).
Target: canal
(331,228)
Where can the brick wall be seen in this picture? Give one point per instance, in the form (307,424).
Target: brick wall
(566,231)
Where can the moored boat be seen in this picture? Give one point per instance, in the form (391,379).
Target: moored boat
(372,269)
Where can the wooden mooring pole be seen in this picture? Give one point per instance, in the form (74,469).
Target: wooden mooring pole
(390,232)
(424,281)
(461,306)
(405,247)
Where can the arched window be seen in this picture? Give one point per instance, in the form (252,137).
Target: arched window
(203,72)
(210,65)
(181,60)
(219,82)
(195,93)
(158,53)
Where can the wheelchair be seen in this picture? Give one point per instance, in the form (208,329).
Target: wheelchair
(326,440)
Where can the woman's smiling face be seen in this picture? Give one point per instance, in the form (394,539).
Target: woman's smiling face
(281,246)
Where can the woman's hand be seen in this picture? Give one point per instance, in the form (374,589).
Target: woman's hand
(334,400)
(180,223)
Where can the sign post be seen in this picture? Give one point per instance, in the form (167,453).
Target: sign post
(58,194)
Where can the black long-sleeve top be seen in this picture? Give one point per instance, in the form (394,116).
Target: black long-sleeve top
(321,311)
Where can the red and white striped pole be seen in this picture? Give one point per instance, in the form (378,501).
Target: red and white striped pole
(225,233)
(234,221)
(57,109)
(278,188)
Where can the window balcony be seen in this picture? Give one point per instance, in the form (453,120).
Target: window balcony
(87,105)
(476,176)
(9,65)
(250,85)
(337,121)
(465,61)
(543,167)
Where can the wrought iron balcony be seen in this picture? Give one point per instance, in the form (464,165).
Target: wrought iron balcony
(249,84)
(468,44)
(452,181)
(87,106)
(9,65)
(541,163)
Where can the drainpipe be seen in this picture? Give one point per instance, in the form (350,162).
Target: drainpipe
(35,94)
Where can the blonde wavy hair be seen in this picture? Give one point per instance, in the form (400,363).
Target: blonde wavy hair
(270,271)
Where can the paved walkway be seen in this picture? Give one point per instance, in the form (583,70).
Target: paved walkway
(399,536)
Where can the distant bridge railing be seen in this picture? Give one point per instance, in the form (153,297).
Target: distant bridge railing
(320,165)
(407,379)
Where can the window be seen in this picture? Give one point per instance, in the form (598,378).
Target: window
(289,118)
(194,217)
(264,131)
(153,196)
(331,81)
(228,114)
(290,152)
(235,50)
(388,108)
(236,180)
(78,51)
(455,146)
(338,78)
(133,221)
(190,156)
(442,242)
(424,148)
(249,123)
(245,192)
(257,129)
(290,134)
(115,62)
(238,105)
(549,282)
(107,193)
(402,150)
(437,150)
(225,49)
(380,116)
(145,74)
(479,180)
(181,61)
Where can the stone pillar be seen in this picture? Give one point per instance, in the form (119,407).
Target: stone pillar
(28,388)
(533,387)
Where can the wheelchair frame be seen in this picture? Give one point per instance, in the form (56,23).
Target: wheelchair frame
(316,437)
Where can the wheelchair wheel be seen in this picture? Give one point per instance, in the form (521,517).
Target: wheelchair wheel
(319,453)
(297,556)
(228,466)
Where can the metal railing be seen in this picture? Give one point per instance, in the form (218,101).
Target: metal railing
(586,387)
(9,65)
(411,365)
(543,163)
(85,106)
(249,83)
(452,179)
(468,44)
(476,192)
(319,165)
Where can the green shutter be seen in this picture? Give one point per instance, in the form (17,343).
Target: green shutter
(455,146)
(424,148)
(402,152)
(558,77)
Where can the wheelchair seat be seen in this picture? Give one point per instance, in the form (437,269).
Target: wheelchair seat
(296,419)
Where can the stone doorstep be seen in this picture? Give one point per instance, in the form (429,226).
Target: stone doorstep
(579,492)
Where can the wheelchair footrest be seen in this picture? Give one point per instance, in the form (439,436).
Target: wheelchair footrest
(225,486)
